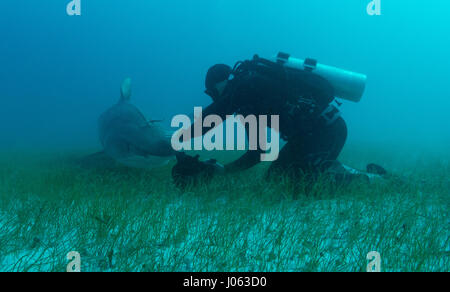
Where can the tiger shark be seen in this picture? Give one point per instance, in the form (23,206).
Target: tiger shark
(129,138)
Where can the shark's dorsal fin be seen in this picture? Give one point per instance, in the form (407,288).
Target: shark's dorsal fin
(125,90)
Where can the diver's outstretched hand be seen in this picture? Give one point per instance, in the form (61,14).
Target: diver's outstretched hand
(190,171)
(218,168)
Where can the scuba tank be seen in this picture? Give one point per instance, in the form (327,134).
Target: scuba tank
(347,85)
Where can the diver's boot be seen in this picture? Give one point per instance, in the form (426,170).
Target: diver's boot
(345,175)
(376,169)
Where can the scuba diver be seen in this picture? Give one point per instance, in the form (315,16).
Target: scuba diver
(309,119)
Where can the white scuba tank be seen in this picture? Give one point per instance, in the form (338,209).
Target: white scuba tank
(347,85)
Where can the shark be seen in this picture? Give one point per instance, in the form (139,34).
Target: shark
(129,138)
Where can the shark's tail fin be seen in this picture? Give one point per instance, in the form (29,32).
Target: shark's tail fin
(125,89)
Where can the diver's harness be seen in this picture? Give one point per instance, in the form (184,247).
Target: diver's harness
(327,116)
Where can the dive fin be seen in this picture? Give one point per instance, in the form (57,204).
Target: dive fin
(376,169)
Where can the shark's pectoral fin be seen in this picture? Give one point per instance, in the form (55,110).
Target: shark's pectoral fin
(97,160)
(147,162)
(155,121)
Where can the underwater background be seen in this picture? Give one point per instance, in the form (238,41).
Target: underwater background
(58,73)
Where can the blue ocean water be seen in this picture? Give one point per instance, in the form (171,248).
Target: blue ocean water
(59,72)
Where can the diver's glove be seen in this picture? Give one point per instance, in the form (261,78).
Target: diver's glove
(190,171)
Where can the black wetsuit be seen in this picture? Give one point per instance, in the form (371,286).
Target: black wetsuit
(299,98)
